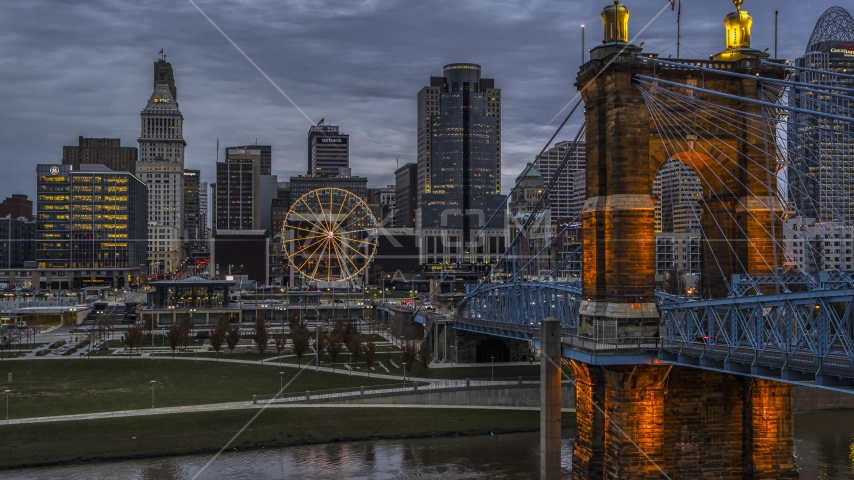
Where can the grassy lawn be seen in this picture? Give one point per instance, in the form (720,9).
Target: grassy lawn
(65,387)
(135,437)
(13,353)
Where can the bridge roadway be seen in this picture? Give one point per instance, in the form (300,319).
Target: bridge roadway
(800,337)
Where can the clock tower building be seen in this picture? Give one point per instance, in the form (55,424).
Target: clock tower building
(161,167)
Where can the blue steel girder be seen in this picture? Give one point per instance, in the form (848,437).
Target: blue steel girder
(525,303)
(819,323)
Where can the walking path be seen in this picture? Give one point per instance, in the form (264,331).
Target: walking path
(337,370)
(215,407)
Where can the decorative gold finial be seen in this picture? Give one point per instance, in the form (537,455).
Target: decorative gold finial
(738,4)
(615,19)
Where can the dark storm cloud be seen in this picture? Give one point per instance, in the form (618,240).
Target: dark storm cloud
(84,68)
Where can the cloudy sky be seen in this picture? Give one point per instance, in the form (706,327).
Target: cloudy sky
(85,68)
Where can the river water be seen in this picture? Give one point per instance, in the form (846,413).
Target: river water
(824,447)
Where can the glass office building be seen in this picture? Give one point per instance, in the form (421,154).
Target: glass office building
(459,161)
(822,171)
(93,218)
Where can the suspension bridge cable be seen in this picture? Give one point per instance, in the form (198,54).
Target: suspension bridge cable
(540,201)
(733,193)
(492,217)
(681,99)
(767,187)
(790,83)
(814,70)
(743,99)
(691,104)
(655,115)
(746,236)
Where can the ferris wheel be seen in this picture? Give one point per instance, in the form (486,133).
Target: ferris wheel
(329,234)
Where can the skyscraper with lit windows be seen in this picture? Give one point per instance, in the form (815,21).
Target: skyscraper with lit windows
(90,219)
(161,166)
(459,167)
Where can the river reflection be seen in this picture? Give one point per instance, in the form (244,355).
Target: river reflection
(824,444)
(512,456)
(824,447)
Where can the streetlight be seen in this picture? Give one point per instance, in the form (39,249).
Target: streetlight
(152,393)
(7,405)
(197,349)
(404,374)
(493,368)
(281,382)
(412,285)
(452,356)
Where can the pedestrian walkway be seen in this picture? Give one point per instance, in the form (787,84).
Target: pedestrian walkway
(215,407)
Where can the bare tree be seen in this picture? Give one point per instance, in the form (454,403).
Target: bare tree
(299,342)
(321,341)
(408,354)
(185,327)
(425,354)
(261,335)
(334,346)
(174,337)
(354,346)
(218,335)
(280,340)
(370,349)
(133,337)
(232,338)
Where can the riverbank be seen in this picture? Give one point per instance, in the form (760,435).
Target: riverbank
(206,432)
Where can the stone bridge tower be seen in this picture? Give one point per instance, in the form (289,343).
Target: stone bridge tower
(625,150)
(672,413)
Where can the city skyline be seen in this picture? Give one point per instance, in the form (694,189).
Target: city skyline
(517,42)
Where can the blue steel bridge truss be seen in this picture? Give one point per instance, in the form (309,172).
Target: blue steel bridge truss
(801,334)
(525,303)
(788,326)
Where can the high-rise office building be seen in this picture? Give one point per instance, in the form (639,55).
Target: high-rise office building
(161,166)
(300,186)
(17,241)
(192,219)
(328,151)
(16,206)
(678,193)
(212,197)
(238,190)
(444,104)
(102,151)
(279,208)
(204,215)
(405,195)
(266,152)
(562,193)
(92,218)
(459,165)
(822,159)
(384,201)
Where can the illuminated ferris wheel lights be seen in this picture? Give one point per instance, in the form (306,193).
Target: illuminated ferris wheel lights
(329,235)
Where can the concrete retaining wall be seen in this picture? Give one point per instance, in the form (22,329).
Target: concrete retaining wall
(501,396)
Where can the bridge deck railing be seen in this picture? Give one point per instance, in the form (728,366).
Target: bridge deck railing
(611,344)
(769,357)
